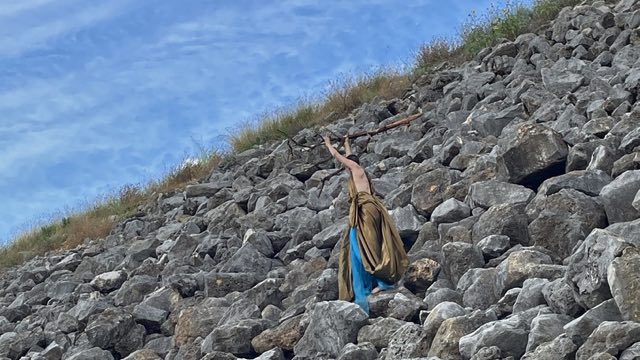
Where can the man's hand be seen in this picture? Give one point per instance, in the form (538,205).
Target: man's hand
(327,141)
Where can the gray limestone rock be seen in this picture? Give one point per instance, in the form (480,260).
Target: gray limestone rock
(618,196)
(624,283)
(450,211)
(109,281)
(510,335)
(458,257)
(611,337)
(587,267)
(491,192)
(545,328)
(379,331)
(579,329)
(332,325)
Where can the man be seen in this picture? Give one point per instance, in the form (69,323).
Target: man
(372,255)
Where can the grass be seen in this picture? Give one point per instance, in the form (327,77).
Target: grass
(98,219)
(344,95)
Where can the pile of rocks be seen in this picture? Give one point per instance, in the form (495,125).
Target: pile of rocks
(516,194)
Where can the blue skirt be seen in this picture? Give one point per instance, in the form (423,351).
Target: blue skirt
(363,282)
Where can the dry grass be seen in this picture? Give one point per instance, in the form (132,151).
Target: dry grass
(97,221)
(343,96)
(436,52)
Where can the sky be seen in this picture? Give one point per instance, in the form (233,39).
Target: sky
(95,95)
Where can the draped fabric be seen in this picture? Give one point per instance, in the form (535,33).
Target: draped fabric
(381,248)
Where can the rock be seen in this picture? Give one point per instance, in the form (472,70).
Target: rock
(109,281)
(478,287)
(94,353)
(445,345)
(618,196)
(493,246)
(533,154)
(379,332)
(109,328)
(587,267)
(437,316)
(626,163)
(588,182)
(579,329)
(531,295)
(408,222)
(421,274)
(332,325)
(273,354)
(134,290)
(632,352)
(458,257)
(285,336)
(429,190)
(510,335)
(564,219)
(205,189)
(508,220)
(544,328)
(248,259)
(559,296)
(519,266)
(409,341)
(611,337)
(488,193)
(151,318)
(197,321)
(560,348)
(450,211)
(220,284)
(143,249)
(440,295)
(622,276)
(561,82)
(602,159)
(357,352)
(234,338)
(144,354)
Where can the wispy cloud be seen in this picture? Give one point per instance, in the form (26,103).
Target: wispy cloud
(94,95)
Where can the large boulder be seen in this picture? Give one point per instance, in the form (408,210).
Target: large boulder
(510,335)
(332,325)
(587,267)
(284,336)
(618,196)
(503,219)
(458,257)
(488,193)
(611,337)
(624,283)
(533,153)
(588,182)
(564,219)
(429,189)
(379,331)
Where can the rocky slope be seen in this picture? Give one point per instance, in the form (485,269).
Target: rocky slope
(516,192)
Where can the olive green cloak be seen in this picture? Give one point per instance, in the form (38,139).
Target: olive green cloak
(382,249)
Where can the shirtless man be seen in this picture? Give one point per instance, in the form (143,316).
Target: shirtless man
(372,232)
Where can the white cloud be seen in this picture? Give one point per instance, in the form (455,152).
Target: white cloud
(15,41)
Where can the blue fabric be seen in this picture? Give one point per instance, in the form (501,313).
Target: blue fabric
(363,282)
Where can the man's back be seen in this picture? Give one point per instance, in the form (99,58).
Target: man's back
(360,180)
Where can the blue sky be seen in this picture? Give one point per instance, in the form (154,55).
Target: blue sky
(98,94)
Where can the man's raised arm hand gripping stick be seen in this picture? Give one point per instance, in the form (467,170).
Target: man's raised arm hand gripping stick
(352,165)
